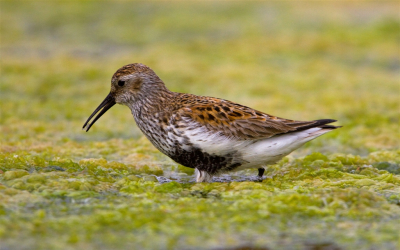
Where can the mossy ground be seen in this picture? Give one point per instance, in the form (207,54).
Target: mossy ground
(62,188)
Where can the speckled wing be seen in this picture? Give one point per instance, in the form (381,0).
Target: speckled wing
(233,120)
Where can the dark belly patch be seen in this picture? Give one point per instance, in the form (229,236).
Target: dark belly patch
(212,164)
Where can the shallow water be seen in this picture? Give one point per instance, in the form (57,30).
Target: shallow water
(221,178)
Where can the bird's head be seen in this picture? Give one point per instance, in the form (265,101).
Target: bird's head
(129,84)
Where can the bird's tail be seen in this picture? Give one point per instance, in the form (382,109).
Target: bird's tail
(322,123)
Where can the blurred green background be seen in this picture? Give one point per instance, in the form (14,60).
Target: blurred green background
(303,61)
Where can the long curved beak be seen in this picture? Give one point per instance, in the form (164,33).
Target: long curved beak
(103,107)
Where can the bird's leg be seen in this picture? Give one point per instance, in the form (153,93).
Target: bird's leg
(260,173)
(202,176)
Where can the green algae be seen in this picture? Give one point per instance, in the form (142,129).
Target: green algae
(61,188)
(302,190)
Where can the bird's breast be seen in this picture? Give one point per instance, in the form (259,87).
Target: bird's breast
(173,140)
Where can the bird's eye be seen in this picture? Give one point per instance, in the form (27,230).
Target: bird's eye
(121,83)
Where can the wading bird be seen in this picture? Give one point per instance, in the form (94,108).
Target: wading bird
(209,134)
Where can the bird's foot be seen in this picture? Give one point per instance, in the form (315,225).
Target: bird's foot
(202,176)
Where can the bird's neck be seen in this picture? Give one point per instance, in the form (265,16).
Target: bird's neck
(151,102)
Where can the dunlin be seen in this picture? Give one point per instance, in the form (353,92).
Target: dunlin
(208,134)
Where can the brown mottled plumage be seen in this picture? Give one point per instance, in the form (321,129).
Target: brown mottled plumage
(209,134)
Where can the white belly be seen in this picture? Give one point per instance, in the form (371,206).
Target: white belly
(253,153)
